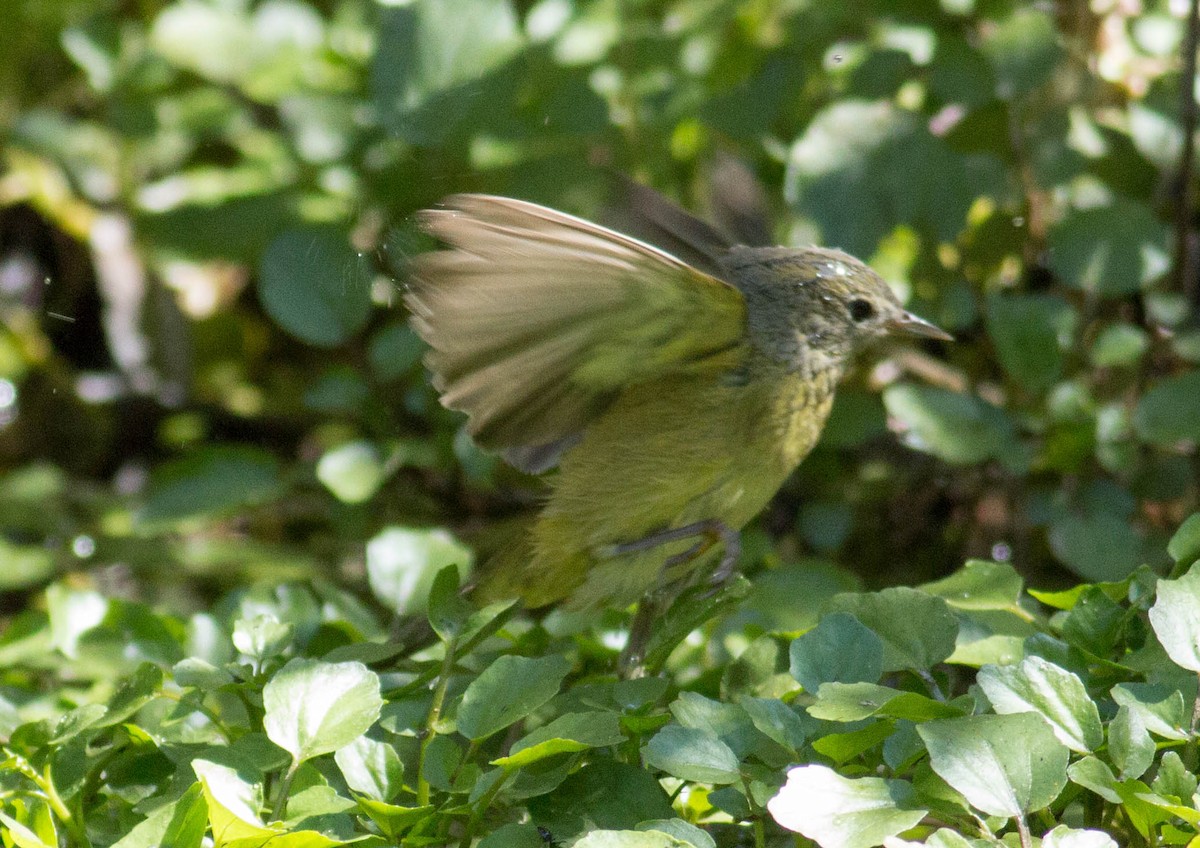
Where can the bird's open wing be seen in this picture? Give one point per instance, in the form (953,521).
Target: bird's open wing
(536,319)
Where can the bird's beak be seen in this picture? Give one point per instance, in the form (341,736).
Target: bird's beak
(911,325)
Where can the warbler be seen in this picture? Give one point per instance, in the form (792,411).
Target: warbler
(674,381)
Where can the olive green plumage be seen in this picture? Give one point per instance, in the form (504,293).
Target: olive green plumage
(671,384)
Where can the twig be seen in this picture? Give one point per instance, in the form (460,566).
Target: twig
(1181,273)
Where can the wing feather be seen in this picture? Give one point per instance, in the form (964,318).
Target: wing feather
(537,319)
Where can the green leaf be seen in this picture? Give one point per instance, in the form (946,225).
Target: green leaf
(1185,544)
(233,802)
(1100,544)
(681,830)
(1175,618)
(402,564)
(856,701)
(1110,251)
(1119,346)
(1169,412)
(1004,765)
(1093,774)
(371,767)
(839,649)
(776,720)
(210,481)
(837,812)
(313,707)
(958,428)
(1160,707)
(435,60)
(980,585)
(843,747)
(729,722)
(605,794)
(566,734)
(1068,837)
(448,611)
(1173,778)
(918,630)
(313,284)
(1024,51)
(353,472)
(690,753)
(508,690)
(1129,744)
(1028,331)
(630,839)
(1056,694)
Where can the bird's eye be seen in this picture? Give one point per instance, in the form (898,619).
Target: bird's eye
(861,310)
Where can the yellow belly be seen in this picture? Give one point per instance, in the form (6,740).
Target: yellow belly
(665,455)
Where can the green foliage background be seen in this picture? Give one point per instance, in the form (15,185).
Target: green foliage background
(206,380)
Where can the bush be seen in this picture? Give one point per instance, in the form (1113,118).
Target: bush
(219,451)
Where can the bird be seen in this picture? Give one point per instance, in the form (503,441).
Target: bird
(673,378)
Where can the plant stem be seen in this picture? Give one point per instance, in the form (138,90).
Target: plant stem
(285,788)
(1023,832)
(1196,708)
(931,682)
(435,713)
(1182,271)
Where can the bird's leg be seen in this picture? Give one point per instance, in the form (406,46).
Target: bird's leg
(711,531)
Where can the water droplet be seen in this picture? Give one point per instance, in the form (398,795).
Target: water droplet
(1001,552)
(83,546)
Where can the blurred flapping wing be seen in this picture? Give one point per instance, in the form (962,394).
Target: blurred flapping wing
(537,319)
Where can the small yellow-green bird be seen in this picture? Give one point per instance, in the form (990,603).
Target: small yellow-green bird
(675,385)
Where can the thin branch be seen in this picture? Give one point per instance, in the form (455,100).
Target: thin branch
(1182,272)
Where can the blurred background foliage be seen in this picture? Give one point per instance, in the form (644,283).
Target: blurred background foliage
(206,377)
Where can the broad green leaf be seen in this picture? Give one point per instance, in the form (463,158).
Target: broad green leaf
(844,747)
(210,481)
(1099,545)
(630,839)
(448,611)
(856,701)
(1029,331)
(692,754)
(567,733)
(437,60)
(1161,708)
(233,803)
(1119,345)
(1175,618)
(25,566)
(1068,837)
(958,428)
(1169,413)
(1023,51)
(313,707)
(1056,694)
(393,820)
(979,585)
(371,767)
(838,812)
(22,836)
(918,630)
(353,472)
(1094,774)
(180,824)
(1173,778)
(1129,744)
(513,836)
(402,564)
(729,722)
(1110,251)
(681,830)
(1004,765)
(314,285)
(777,720)
(605,794)
(508,690)
(839,649)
